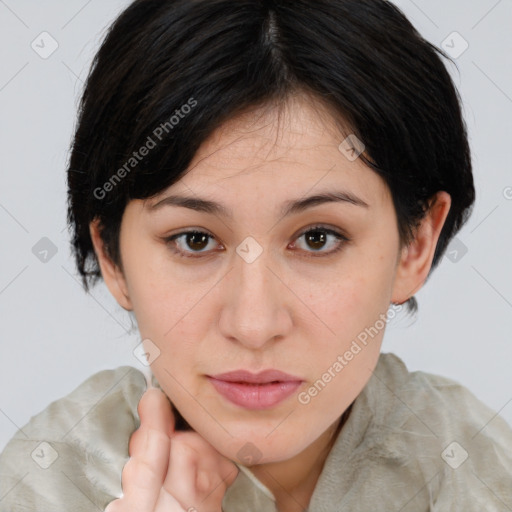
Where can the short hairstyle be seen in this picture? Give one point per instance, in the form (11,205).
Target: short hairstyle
(170,72)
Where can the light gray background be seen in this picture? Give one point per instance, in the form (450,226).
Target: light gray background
(53,336)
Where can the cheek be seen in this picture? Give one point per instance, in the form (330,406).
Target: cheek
(159,296)
(168,312)
(353,307)
(342,363)
(353,300)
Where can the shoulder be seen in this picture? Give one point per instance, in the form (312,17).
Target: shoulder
(71,454)
(440,429)
(445,405)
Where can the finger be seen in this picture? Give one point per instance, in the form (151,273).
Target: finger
(207,456)
(169,502)
(182,471)
(155,411)
(228,471)
(198,475)
(142,478)
(145,471)
(215,474)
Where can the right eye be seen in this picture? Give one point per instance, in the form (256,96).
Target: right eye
(196,240)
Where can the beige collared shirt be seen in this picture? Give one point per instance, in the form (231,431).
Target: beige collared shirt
(414,442)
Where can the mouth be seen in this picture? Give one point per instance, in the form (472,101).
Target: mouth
(263,377)
(259,391)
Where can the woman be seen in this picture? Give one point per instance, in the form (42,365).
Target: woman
(263,184)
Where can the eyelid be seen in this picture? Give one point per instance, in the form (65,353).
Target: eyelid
(338,233)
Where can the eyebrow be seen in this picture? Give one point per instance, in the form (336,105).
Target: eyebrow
(288,208)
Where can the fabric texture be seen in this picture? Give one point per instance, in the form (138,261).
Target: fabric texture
(413,442)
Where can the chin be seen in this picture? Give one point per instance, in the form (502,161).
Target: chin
(256,450)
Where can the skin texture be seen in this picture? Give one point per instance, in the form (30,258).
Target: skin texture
(288,309)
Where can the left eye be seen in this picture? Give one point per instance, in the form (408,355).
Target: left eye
(316,238)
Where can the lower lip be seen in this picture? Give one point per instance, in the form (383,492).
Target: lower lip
(255,396)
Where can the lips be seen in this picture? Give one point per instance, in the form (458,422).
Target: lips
(263,377)
(259,391)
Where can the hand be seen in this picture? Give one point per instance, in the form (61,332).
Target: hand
(170,471)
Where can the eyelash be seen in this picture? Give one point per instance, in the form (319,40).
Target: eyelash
(342,240)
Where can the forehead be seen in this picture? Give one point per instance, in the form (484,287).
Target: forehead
(284,150)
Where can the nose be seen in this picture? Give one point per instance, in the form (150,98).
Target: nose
(256,311)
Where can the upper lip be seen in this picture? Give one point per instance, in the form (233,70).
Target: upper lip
(262,377)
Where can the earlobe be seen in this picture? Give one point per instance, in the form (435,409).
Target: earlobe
(416,259)
(112,274)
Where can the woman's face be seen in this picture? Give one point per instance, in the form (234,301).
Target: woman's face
(271,286)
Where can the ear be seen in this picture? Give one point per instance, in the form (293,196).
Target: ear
(416,259)
(111,273)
